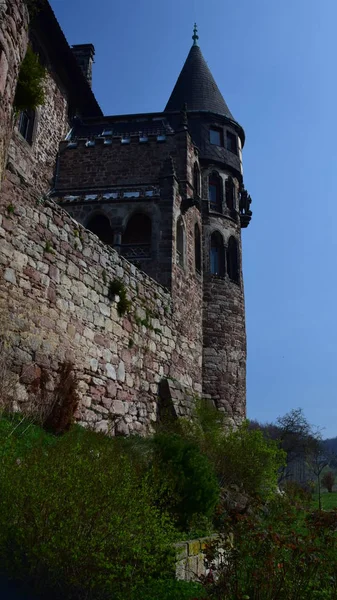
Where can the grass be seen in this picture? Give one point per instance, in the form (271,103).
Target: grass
(329,501)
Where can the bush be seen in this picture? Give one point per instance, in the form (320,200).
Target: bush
(30,87)
(328,481)
(170,589)
(276,556)
(75,516)
(243,458)
(188,482)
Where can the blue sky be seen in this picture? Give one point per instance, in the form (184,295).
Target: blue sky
(275,63)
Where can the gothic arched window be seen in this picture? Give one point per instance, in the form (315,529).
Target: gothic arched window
(215,192)
(137,237)
(217,254)
(197,248)
(233,269)
(180,242)
(230,193)
(100,226)
(196,179)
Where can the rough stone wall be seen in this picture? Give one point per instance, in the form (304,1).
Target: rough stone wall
(54,279)
(13,45)
(103,166)
(224,331)
(190,558)
(35,163)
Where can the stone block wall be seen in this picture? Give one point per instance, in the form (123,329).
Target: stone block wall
(13,45)
(35,163)
(190,558)
(54,279)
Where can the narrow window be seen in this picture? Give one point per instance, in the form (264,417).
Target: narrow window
(197,248)
(137,237)
(233,260)
(26,125)
(217,254)
(215,192)
(180,242)
(231,142)
(100,226)
(216,136)
(230,193)
(196,179)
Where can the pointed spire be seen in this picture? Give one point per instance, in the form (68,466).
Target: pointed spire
(195,36)
(196,86)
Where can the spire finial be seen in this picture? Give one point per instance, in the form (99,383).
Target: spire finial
(195,36)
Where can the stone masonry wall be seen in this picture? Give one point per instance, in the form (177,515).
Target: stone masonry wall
(54,278)
(13,45)
(35,163)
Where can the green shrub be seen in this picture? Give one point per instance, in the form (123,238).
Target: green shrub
(269,556)
(170,589)
(188,483)
(241,457)
(30,87)
(76,517)
(117,288)
(250,461)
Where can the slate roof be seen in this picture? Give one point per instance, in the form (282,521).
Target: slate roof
(196,86)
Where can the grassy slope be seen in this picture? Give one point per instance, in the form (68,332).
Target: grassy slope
(329,501)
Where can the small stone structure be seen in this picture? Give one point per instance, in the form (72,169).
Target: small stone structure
(190,558)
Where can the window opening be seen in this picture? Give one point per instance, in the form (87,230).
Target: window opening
(217,255)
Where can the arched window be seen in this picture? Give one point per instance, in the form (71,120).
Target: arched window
(136,239)
(196,179)
(215,192)
(217,254)
(180,242)
(233,260)
(197,248)
(230,193)
(100,225)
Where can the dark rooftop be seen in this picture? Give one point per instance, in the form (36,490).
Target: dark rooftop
(197,88)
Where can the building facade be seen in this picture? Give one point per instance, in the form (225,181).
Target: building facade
(162,191)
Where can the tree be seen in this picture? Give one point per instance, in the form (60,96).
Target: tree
(328,481)
(318,460)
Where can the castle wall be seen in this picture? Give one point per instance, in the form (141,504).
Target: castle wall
(103,166)
(35,163)
(13,45)
(224,331)
(54,279)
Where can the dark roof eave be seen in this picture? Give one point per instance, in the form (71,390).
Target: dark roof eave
(46,26)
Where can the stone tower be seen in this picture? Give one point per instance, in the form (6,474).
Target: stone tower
(166,191)
(225,208)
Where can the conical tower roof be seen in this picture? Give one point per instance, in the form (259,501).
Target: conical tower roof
(196,86)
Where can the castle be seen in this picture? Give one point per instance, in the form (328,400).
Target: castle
(148,206)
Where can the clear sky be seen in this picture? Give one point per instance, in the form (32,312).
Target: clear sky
(275,63)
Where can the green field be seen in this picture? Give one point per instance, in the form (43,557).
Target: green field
(329,501)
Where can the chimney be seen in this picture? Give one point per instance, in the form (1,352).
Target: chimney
(85,57)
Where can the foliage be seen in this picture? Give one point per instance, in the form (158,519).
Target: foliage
(328,481)
(169,589)
(76,517)
(66,399)
(117,288)
(30,87)
(268,556)
(328,501)
(189,482)
(243,457)
(297,494)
